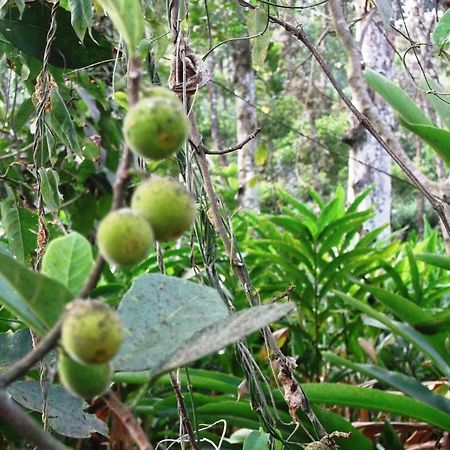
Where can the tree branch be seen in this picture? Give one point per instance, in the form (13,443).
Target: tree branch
(128,420)
(236,147)
(390,145)
(14,416)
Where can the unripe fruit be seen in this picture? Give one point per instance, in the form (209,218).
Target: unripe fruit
(156,126)
(87,381)
(166,205)
(91,332)
(124,238)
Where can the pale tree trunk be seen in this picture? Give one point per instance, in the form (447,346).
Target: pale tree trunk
(377,55)
(246,123)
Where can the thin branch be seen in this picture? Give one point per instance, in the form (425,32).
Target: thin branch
(29,429)
(398,155)
(128,420)
(234,148)
(183,411)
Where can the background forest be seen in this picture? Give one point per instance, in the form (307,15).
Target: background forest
(317,155)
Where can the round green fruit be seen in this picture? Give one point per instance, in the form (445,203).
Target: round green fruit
(87,381)
(166,205)
(124,238)
(156,126)
(92,332)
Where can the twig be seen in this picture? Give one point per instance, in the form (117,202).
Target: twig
(234,148)
(128,420)
(14,416)
(183,411)
(413,175)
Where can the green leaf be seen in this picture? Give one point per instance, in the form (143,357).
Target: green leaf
(402,330)
(81,16)
(397,98)
(440,34)
(375,400)
(68,259)
(438,101)
(440,322)
(61,123)
(390,439)
(256,440)
(437,138)
(175,322)
(29,34)
(407,385)
(435,260)
(261,155)
(14,346)
(35,299)
(66,415)
(257,22)
(50,188)
(20,225)
(128,18)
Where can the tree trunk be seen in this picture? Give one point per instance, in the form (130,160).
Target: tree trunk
(246,123)
(377,55)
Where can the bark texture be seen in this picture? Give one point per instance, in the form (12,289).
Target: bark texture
(246,123)
(377,55)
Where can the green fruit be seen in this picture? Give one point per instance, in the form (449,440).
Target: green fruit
(124,238)
(166,205)
(156,126)
(92,332)
(87,381)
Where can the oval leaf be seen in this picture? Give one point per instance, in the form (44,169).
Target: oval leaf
(69,260)
(49,188)
(81,16)
(127,17)
(175,322)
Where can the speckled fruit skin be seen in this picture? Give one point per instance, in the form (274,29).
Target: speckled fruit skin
(156,127)
(124,238)
(91,332)
(86,381)
(166,205)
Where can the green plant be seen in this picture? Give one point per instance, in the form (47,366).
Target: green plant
(91,332)
(166,205)
(124,238)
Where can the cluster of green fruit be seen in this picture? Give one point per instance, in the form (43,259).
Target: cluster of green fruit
(91,336)
(161,208)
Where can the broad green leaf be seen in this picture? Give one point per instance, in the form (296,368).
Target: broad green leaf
(375,400)
(35,299)
(256,440)
(66,413)
(440,322)
(440,34)
(128,18)
(408,385)
(402,307)
(68,259)
(402,330)
(20,225)
(14,345)
(389,438)
(50,188)
(437,138)
(81,11)
(175,322)
(439,103)
(61,123)
(29,34)
(257,23)
(435,260)
(397,98)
